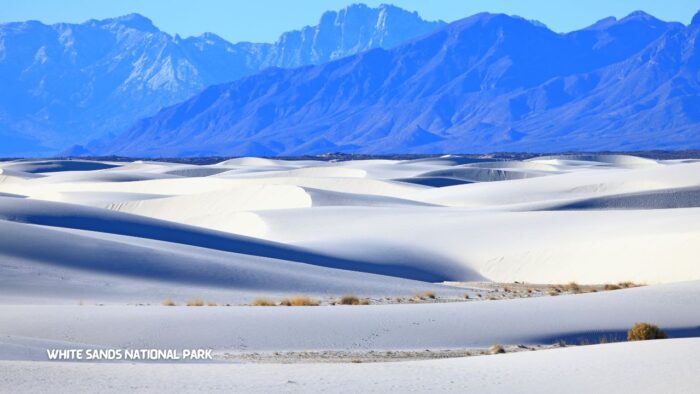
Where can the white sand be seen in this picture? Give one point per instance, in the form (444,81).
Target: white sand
(122,234)
(640,367)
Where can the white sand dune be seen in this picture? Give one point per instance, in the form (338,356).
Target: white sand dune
(527,165)
(48,166)
(475,174)
(100,267)
(627,161)
(590,223)
(88,250)
(544,320)
(574,184)
(10,173)
(70,216)
(537,247)
(641,367)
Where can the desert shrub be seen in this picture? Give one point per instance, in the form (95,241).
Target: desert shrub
(262,302)
(496,349)
(168,302)
(364,301)
(573,287)
(212,303)
(611,287)
(299,301)
(349,300)
(644,332)
(195,302)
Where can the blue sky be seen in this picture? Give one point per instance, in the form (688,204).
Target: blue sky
(264,20)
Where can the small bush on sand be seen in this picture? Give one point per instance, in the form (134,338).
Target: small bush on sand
(212,303)
(352,300)
(168,302)
(195,302)
(611,287)
(299,301)
(496,349)
(644,332)
(262,302)
(349,300)
(573,287)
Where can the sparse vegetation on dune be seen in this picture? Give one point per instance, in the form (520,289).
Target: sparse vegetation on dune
(195,302)
(262,302)
(168,302)
(300,301)
(426,295)
(352,300)
(622,285)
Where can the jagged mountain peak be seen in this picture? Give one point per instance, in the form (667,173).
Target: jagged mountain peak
(639,14)
(132,21)
(696,20)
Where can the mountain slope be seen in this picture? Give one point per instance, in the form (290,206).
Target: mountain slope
(484,83)
(66,84)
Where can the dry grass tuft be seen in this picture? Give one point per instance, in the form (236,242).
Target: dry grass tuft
(262,302)
(573,287)
(629,285)
(644,332)
(212,303)
(349,300)
(496,349)
(611,287)
(299,301)
(195,302)
(168,302)
(425,295)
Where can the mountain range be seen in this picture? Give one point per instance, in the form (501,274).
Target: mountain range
(366,80)
(67,84)
(490,82)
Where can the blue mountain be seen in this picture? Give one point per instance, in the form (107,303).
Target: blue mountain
(66,84)
(489,82)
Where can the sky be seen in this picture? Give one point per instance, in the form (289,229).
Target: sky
(265,20)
